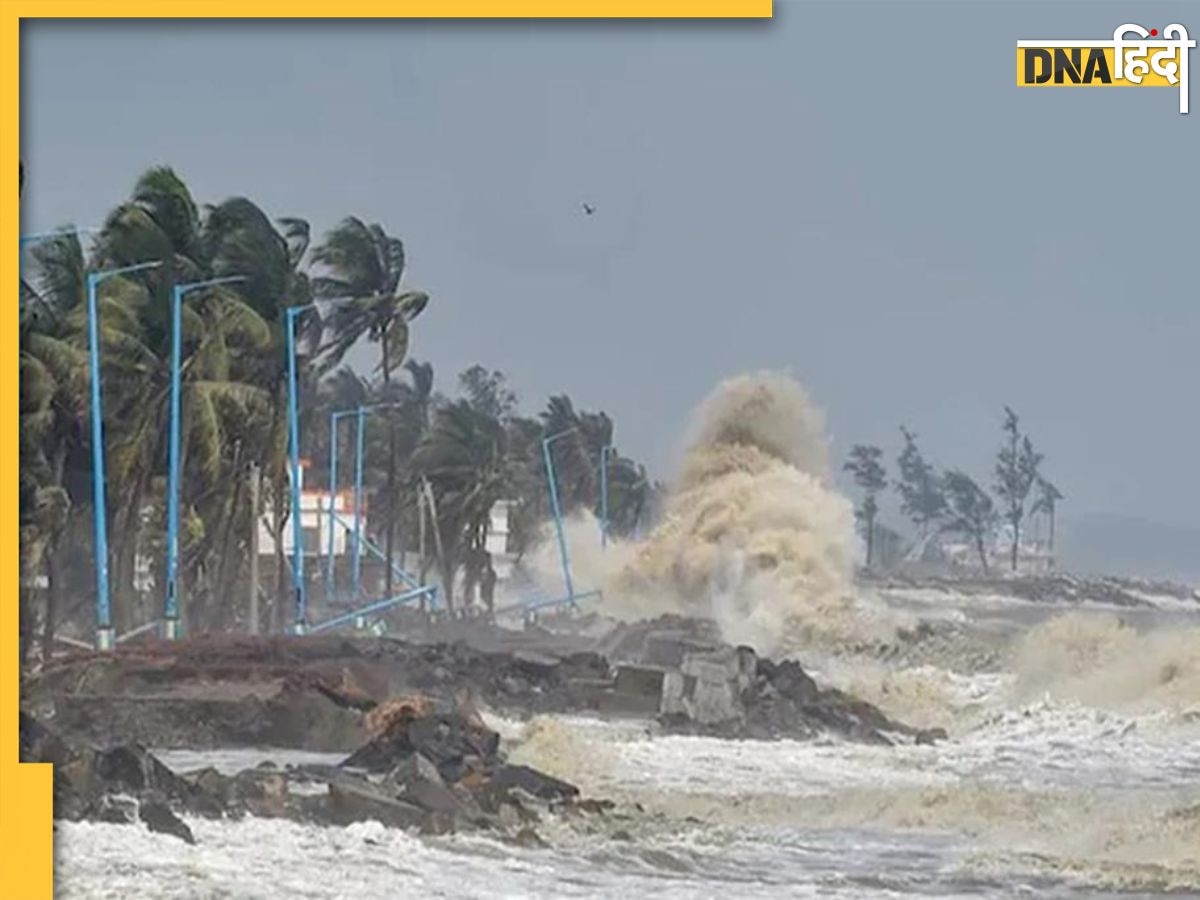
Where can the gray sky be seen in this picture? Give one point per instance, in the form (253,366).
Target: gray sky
(857,192)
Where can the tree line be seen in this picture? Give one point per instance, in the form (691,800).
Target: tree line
(463,451)
(951,501)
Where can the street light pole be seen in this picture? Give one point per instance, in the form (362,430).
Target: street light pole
(294,460)
(290,315)
(558,523)
(171,604)
(104,628)
(361,415)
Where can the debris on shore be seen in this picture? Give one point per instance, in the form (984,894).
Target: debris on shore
(320,693)
(428,766)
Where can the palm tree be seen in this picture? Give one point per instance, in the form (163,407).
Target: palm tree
(577,454)
(222,330)
(53,376)
(628,495)
(364,265)
(242,240)
(464,458)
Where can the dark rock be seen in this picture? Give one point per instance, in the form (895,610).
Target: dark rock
(445,739)
(540,785)
(433,797)
(263,792)
(132,768)
(354,799)
(587,665)
(116,810)
(158,817)
(412,770)
(211,794)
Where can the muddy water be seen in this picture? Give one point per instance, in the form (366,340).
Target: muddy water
(1072,769)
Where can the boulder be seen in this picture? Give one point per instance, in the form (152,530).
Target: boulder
(116,810)
(446,739)
(158,816)
(545,787)
(411,770)
(264,793)
(353,799)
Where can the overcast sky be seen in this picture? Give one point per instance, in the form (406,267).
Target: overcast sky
(856,192)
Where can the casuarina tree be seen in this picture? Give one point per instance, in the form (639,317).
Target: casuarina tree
(971,511)
(921,496)
(865,464)
(1016,474)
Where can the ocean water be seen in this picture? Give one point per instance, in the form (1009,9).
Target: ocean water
(1072,769)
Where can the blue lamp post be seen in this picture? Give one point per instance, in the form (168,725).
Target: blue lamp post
(171,605)
(294,463)
(359,442)
(104,629)
(290,316)
(558,522)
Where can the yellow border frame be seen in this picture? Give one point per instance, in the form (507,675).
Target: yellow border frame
(26,827)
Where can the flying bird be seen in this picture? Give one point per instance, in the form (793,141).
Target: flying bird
(588,208)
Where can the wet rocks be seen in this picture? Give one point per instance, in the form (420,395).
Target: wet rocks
(359,800)
(427,766)
(119,785)
(444,738)
(444,762)
(681,671)
(325,693)
(158,816)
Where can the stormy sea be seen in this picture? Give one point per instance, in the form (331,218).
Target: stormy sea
(1070,764)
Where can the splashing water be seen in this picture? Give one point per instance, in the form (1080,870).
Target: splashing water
(754,536)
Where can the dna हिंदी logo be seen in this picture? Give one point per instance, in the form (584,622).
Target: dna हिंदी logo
(1144,59)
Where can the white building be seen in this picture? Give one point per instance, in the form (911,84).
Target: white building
(497,543)
(315,522)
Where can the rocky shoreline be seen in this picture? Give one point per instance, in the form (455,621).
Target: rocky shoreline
(426,767)
(407,714)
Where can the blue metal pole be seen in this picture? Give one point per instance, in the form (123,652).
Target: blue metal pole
(333,442)
(104,628)
(558,522)
(367,545)
(294,452)
(358,489)
(171,606)
(171,611)
(604,495)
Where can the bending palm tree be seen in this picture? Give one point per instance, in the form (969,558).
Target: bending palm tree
(365,265)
